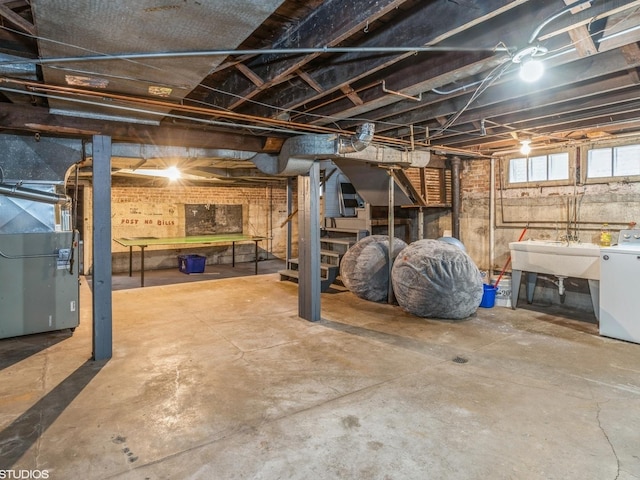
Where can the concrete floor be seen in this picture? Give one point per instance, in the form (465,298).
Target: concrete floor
(221,380)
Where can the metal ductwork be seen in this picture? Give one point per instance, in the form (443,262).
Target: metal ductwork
(32,170)
(299,153)
(36,159)
(24,193)
(359,141)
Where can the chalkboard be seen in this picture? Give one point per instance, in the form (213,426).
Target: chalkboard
(212,219)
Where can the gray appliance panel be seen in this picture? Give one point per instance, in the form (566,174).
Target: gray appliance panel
(619,300)
(37,291)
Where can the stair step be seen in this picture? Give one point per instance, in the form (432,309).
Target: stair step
(354,231)
(288,273)
(338,241)
(330,253)
(294,273)
(323,266)
(325,281)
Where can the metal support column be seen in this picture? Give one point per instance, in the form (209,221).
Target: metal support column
(420,223)
(101,291)
(391,230)
(289,215)
(309,244)
(455,196)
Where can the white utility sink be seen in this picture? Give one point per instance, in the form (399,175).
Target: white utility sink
(560,259)
(573,259)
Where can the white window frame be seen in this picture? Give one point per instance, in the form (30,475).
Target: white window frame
(612,146)
(530,183)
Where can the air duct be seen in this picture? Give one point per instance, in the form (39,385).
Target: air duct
(298,153)
(18,191)
(358,141)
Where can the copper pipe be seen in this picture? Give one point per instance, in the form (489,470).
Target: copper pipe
(45,88)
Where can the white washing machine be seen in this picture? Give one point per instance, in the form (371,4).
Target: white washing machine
(619,292)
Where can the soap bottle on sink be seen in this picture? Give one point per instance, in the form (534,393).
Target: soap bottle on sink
(605,235)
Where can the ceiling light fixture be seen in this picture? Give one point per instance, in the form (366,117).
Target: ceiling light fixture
(173,173)
(531,69)
(525,147)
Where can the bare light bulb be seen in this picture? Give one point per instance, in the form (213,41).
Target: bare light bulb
(525,147)
(531,70)
(173,173)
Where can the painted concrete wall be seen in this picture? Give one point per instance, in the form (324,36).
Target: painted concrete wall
(552,212)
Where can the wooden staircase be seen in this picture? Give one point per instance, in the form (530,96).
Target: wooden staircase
(334,243)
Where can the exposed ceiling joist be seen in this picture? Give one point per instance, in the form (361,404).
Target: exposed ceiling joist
(430,74)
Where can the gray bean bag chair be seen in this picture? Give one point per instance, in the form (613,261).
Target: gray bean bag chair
(432,278)
(364,269)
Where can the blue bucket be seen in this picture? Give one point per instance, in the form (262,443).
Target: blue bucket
(488,296)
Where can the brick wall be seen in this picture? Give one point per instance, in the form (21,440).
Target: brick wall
(475,177)
(147,211)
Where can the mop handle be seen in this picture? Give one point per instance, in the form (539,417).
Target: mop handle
(524,230)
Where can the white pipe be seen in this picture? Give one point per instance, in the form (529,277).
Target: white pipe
(266,51)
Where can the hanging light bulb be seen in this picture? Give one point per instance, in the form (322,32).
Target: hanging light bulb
(525,147)
(531,70)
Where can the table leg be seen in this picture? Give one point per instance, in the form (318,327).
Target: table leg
(233,254)
(256,242)
(142,265)
(130,260)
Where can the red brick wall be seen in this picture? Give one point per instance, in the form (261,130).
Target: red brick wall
(139,211)
(189,194)
(475,176)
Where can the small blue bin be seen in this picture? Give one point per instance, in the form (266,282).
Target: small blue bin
(191,263)
(488,296)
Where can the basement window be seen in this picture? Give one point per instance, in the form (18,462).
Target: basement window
(622,161)
(551,167)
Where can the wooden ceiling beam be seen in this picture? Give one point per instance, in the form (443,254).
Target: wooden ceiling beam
(619,103)
(330,23)
(17,20)
(15,118)
(586,16)
(251,75)
(561,76)
(562,127)
(310,81)
(420,25)
(351,94)
(422,73)
(581,39)
(580,36)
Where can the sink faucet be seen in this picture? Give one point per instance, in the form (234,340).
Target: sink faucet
(569,238)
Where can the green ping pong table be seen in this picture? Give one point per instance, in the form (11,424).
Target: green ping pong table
(144,242)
